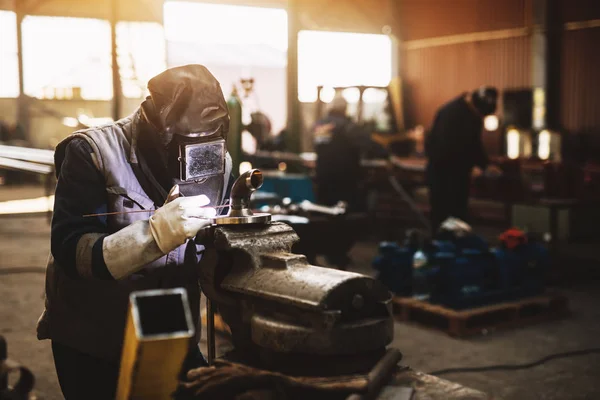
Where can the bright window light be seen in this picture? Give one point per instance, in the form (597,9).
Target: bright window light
(9,68)
(491,123)
(234,43)
(61,53)
(141,55)
(513,138)
(372,95)
(327,94)
(544,145)
(221,24)
(37,205)
(341,59)
(352,95)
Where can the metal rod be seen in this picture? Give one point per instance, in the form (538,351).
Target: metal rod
(210,331)
(136,211)
(379,376)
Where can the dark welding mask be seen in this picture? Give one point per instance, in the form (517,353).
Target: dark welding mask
(485,99)
(190,113)
(199,167)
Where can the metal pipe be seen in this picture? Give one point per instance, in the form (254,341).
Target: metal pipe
(379,375)
(241,191)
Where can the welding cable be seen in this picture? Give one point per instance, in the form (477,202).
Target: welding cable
(515,367)
(22,270)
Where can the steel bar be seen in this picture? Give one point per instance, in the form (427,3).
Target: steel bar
(27,166)
(28,154)
(210,331)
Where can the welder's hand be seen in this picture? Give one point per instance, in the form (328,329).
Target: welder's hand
(178,220)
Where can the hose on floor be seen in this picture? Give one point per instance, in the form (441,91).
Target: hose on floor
(515,367)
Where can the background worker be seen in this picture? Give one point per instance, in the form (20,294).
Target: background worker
(337,141)
(455,153)
(176,137)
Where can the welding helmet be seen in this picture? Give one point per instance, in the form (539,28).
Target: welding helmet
(485,99)
(187,110)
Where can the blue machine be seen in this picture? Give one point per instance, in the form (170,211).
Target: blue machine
(463,272)
(297,187)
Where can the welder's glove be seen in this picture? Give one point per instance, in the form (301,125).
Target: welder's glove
(143,242)
(181,219)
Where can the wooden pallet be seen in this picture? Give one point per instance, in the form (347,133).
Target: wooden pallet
(479,320)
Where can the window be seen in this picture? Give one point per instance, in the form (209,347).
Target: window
(141,55)
(9,67)
(234,43)
(67,57)
(341,59)
(225,24)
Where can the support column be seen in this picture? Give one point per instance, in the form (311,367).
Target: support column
(294,120)
(116,77)
(546,63)
(22,100)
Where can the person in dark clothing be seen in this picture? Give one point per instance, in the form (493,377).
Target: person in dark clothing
(174,142)
(455,152)
(338,146)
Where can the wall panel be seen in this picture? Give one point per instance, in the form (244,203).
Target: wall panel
(580,81)
(434,75)
(420,19)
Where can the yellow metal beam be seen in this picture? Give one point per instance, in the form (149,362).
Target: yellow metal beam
(157,338)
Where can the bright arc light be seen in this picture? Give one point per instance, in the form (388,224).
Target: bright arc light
(544,145)
(327,94)
(512,143)
(491,123)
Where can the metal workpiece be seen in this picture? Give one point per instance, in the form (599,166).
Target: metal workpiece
(239,201)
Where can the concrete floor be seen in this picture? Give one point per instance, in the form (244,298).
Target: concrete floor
(24,242)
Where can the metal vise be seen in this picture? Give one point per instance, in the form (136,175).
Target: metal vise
(284,313)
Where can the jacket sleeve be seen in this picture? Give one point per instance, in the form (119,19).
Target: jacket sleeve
(76,241)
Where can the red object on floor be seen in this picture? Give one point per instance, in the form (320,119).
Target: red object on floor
(513,238)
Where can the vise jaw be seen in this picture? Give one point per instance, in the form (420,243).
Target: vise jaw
(288,315)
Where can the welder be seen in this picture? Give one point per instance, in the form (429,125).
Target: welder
(455,153)
(169,158)
(337,141)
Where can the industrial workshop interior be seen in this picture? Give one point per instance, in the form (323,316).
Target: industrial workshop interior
(299,199)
